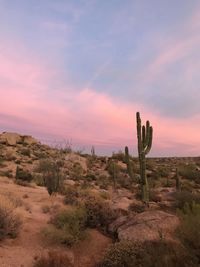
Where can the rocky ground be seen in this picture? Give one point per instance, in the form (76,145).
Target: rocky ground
(91,175)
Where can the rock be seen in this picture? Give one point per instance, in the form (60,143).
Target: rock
(76,158)
(10,139)
(113,227)
(147,226)
(29,140)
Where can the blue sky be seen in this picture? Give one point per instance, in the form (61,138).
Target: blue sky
(83,60)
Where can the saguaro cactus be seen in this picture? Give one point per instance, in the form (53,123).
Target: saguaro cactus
(128,163)
(144,136)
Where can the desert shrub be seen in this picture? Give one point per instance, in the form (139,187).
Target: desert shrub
(9,220)
(52,175)
(38,179)
(138,208)
(71,195)
(77,171)
(148,254)
(22,183)
(119,156)
(53,259)
(18,161)
(189,172)
(99,213)
(181,198)
(23,175)
(124,181)
(187,185)
(163,171)
(154,196)
(103,181)
(45,209)
(25,152)
(69,226)
(189,229)
(150,164)
(90,177)
(7,173)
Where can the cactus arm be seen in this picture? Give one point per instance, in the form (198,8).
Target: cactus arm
(149,145)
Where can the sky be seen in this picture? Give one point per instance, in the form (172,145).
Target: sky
(77,71)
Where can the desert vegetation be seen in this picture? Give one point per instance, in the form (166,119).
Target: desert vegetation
(66,208)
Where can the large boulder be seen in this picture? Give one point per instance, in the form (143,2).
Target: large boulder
(10,139)
(146,226)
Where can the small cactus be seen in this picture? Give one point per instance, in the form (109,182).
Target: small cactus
(144,136)
(129,164)
(178,182)
(93,151)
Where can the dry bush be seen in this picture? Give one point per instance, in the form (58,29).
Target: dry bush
(9,220)
(53,259)
(189,229)
(99,213)
(71,195)
(184,197)
(148,254)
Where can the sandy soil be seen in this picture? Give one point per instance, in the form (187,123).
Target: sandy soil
(20,252)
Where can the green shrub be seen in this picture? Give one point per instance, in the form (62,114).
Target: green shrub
(9,220)
(53,259)
(148,254)
(69,226)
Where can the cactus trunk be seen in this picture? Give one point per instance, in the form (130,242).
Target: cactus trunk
(144,136)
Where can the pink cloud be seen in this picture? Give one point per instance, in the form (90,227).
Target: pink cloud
(86,116)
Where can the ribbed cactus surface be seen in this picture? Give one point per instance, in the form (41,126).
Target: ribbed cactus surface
(144,137)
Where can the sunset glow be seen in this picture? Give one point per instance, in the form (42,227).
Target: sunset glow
(79,71)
